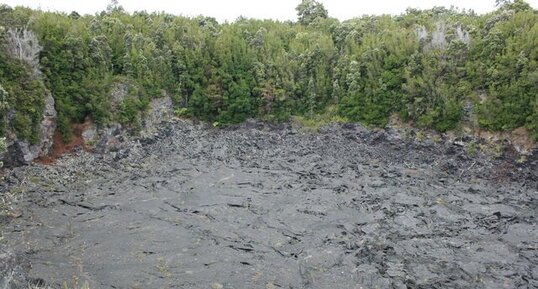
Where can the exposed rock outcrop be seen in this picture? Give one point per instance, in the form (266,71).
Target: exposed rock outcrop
(24,45)
(442,35)
(98,139)
(22,152)
(48,125)
(118,93)
(111,137)
(160,109)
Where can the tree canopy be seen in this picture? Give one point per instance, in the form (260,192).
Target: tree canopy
(310,10)
(432,68)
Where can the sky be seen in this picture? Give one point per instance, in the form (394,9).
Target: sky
(229,10)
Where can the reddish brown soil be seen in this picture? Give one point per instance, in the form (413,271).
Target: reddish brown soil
(60,147)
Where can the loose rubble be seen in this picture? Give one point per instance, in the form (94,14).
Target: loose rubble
(269,206)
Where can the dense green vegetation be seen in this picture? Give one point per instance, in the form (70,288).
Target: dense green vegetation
(424,66)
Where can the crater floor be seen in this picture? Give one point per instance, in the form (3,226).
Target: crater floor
(258,206)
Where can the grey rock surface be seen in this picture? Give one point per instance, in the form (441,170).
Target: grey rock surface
(160,110)
(118,93)
(47,127)
(24,45)
(21,152)
(12,274)
(112,136)
(266,206)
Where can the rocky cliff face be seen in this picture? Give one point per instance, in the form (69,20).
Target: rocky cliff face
(160,109)
(21,152)
(99,139)
(24,45)
(112,137)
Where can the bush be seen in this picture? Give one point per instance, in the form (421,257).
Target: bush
(314,123)
(129,111)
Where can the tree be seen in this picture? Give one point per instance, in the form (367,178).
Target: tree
(74,15)
(310,10)
(516,5)
(114,5)
(368,68)
(500,3)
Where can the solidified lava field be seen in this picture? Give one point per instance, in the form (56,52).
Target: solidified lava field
(266,206)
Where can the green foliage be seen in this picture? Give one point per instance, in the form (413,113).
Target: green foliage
(129,111)
(310,10)
(20,90)
(314,123)
(200,105)
(422,65)
(181,112)
(471,148)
